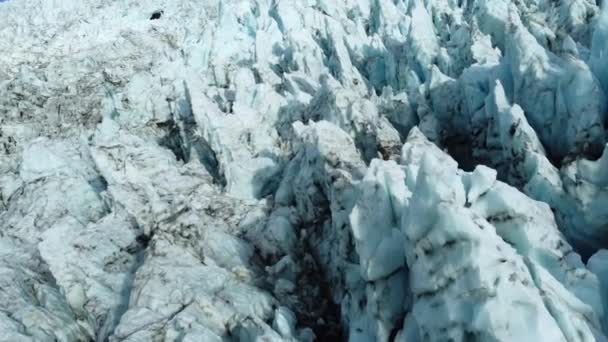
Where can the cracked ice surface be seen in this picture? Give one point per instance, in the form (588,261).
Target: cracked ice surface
(284,170)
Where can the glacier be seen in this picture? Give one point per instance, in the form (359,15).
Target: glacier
(303,170)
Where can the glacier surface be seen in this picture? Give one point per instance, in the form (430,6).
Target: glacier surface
(303,170)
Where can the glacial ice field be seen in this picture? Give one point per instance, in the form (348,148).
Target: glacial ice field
(303,170)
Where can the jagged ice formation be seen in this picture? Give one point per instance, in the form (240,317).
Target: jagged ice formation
(300,170)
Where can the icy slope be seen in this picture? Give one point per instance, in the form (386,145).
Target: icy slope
(287,170)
